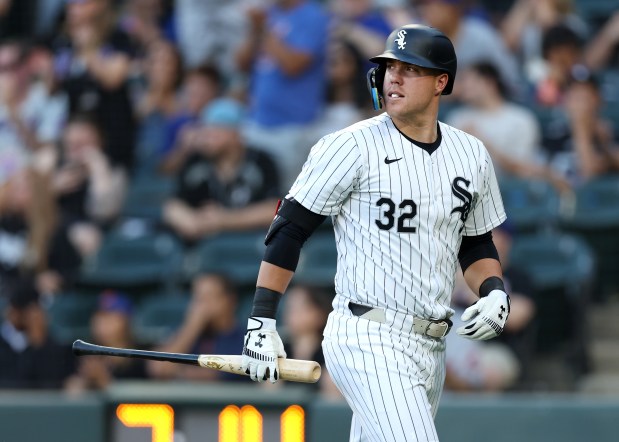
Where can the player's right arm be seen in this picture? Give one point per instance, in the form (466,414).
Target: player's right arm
(324,183)
(292,226)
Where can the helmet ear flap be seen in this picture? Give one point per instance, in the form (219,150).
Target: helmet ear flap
(375,80)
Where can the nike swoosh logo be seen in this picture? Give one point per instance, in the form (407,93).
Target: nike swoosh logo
(388,161)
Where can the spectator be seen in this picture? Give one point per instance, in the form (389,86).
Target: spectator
(347,95)
(527,21)
(285,51)
(210,327)
(581,144)
(200,86)
(159,108)
(89,189)
(29,356)
(509,131)
(110,325)
(223,185)
(30,117)
(361,24)
(209,32)
(305,316)
(474,39)
(32,243)
(147,21)
(562,50)
(93,64)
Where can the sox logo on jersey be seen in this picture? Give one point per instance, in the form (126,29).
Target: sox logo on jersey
(463,195)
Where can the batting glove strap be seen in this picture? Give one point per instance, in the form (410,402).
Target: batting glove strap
(258,323)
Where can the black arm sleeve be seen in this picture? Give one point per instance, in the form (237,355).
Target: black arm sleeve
(292,226)
(474,248)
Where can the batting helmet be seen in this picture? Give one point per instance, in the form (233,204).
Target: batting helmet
(415,44)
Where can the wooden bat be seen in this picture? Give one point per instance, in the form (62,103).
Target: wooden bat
(289,369)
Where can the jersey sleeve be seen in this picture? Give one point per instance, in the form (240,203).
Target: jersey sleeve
(329,174)
(487,211)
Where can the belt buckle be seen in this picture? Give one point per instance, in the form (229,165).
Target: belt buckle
(445,329)
(426,324)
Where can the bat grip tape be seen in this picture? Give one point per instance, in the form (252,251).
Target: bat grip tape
(266,302)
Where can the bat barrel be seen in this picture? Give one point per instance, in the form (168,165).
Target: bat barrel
(81,348)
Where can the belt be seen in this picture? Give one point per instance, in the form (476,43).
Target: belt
(437,328)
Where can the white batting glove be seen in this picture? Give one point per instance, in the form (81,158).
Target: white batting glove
(261,349)
(487,316)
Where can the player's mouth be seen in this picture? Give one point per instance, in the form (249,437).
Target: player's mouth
(395,95)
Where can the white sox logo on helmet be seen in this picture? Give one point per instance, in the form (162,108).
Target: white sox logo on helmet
(400,40)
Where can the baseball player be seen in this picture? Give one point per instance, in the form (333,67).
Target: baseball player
(410,197)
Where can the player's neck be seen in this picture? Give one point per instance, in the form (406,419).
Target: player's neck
(423,129)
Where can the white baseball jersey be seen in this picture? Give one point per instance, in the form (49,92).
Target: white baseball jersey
(400,210)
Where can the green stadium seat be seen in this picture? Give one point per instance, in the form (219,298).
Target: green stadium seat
(595,12)
(69,316)
(158,317)
(127,261)
(595,217)
(318,260)
(146,196)
(236,254)
(561,267)
(530,204)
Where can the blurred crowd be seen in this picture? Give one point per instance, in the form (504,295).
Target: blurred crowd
(191,118)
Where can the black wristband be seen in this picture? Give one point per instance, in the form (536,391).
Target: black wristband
(492,283)
(265,303)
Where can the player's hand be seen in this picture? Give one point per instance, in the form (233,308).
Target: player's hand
(261,349)
(487,316)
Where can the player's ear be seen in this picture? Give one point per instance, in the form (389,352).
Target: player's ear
(441,83)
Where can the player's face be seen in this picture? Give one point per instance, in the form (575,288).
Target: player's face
(408,89)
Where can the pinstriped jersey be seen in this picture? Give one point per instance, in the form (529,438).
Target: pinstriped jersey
(400,209)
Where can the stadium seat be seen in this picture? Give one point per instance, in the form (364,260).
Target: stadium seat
(595,217)
(158,316)
(237,254)
(128,261)
(595,12)
(146,196)
(530,204)
(69,316)
(318,260)
(561,267)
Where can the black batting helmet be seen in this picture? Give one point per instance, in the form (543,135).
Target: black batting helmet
(419,45)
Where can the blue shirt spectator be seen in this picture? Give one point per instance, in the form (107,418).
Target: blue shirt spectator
(277,97)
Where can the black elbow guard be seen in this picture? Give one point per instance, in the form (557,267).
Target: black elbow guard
(292,226)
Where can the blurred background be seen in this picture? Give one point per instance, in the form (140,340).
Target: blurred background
(144,145)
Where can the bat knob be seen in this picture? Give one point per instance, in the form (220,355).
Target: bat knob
(79,347)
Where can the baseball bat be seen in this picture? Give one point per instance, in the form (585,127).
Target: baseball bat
(295,370)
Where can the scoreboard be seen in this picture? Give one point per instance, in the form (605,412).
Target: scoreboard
(243,412)
(138,422)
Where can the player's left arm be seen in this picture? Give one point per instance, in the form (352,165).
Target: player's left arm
(480,263)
